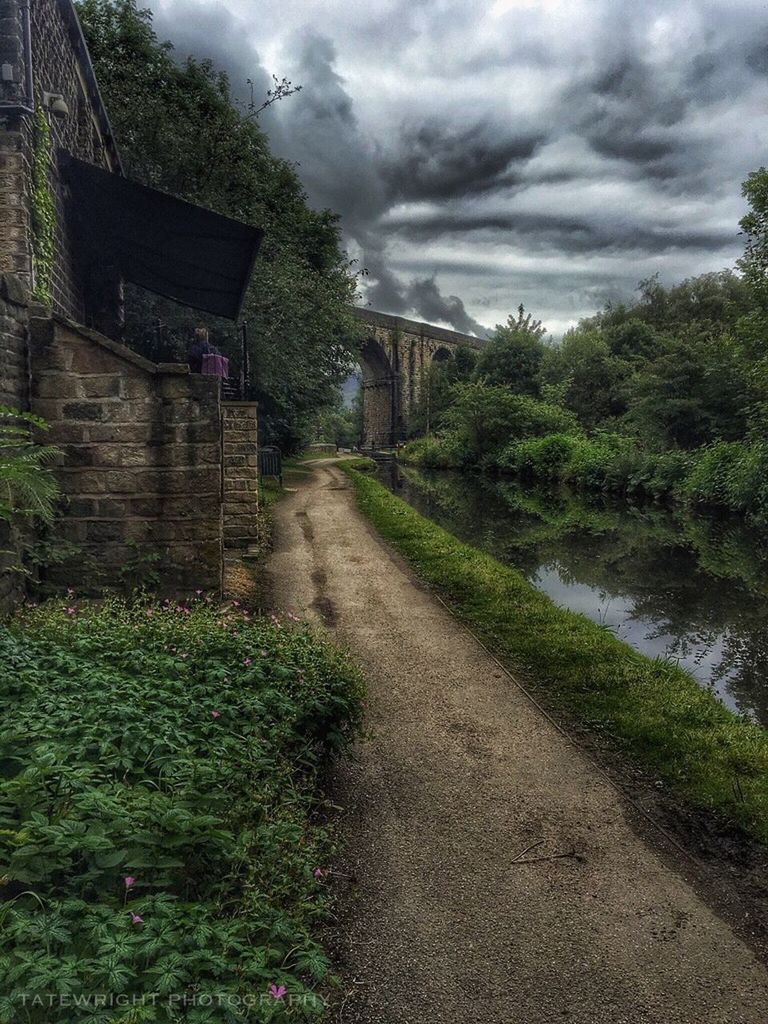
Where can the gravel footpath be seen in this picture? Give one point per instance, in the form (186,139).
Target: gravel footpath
(456,905)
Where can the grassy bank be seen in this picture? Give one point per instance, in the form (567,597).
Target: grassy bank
(722,475)
(652,709)
(159,832)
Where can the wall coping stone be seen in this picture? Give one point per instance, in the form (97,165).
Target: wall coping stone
(121,351)
(423,330)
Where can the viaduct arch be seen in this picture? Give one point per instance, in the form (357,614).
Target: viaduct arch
(395,355)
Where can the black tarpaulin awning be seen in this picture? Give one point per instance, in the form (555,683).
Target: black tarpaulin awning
(170,247)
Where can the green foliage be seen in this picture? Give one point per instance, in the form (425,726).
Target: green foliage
(754,263)
(158,806)
(485,418)
(435,395)
(28,489)
(733,476)
(590,376)
(513,356)
(341,425)
(43,209)
(298,304)
(654,711)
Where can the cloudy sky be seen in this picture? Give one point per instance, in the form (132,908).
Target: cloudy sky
(481,155)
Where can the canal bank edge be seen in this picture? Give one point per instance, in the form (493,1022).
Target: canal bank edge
(647,713)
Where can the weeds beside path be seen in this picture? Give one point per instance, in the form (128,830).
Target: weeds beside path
(491,873)
(159,832)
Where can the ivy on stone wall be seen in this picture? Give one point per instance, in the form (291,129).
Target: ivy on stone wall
(43,210)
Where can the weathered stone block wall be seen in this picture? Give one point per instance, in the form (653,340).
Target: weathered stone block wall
(241,474)
(14,327)
(14,393)
(15,216)
(60,64)
(141,467)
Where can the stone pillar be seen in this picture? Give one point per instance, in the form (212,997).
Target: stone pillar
(241,474)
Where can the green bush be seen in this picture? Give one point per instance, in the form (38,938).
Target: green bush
(543,457)
(157,811)
(432,452)
(732,475)
(486,419)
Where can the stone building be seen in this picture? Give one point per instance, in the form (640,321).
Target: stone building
(152,457)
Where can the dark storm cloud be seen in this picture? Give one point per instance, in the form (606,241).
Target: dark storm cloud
(440,160)
(602,139)
(425,297)
(565,234)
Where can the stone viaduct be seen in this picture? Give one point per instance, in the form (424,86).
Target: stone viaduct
(395,357)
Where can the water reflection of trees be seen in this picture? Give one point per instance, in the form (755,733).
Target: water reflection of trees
(700,580)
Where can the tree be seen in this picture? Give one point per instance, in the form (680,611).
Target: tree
(342,425)
(695,392)
(591,376)
(436,392)
(180,131)
(513,355)
(754,263)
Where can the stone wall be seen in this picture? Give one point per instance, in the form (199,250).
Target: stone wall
(14,393)
(60,64)
(142,456)
(15,214)
(14,325)
(241,475)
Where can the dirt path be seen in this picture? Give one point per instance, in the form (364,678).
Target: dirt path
(445,922)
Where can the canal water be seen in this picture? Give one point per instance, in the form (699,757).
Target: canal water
(684,587)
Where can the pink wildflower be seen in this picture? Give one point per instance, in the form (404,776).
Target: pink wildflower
(318,872)
(137,919)
(198,592)
(247,662)
(70,591)
(129,881)
(215,714)
(277,991)
(149,611)
(236,604)
(71,611)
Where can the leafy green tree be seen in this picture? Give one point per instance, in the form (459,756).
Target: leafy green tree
(513,356)
(754,263)
(436,390)
(342,425)
(590,376)
(696,391)
(180,131)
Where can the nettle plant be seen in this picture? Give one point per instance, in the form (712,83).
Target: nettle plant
(161,847)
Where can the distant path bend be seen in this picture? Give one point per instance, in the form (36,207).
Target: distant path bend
(457,777)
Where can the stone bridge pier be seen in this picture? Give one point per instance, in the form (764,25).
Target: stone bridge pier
(395,356)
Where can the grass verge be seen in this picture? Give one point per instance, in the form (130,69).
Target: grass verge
(654,710)
(160,840)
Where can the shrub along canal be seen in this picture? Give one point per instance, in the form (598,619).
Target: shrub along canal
(688,588)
